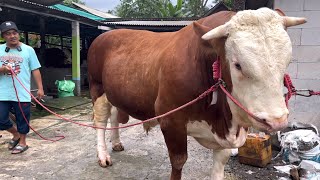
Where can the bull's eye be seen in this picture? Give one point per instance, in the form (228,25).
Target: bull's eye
(238,66)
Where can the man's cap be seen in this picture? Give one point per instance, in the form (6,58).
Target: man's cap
(8,25)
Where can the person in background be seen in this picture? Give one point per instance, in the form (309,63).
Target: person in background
(21,59)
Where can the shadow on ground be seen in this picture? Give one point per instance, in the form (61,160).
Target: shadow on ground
(145,156)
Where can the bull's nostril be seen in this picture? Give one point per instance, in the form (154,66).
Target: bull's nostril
(264,120)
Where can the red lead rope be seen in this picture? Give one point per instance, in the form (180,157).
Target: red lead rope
(217,75)
(24,117)
(293,91)
(204,94)
(290,87)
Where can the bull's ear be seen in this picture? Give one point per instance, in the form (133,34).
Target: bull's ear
(280,12)
(200,29)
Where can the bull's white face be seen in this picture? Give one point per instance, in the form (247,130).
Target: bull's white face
(258,50)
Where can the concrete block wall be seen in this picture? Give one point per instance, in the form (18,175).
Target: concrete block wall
(305,66)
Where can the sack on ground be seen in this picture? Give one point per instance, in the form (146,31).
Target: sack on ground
(65,88)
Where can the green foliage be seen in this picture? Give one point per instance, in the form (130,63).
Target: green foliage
(139,8)
(195,8)
(69,2)
(169,10)
(163,8)
(148,9)
(33,42)
(228,3)
(2,41)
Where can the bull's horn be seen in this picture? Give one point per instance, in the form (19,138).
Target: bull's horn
(217,32)
(293,21)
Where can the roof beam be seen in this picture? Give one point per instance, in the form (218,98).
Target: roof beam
(47,14)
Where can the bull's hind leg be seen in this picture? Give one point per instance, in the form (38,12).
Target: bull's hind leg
(101,112)
(220,158)
(115,136)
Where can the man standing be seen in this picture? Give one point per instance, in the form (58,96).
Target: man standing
(22,60)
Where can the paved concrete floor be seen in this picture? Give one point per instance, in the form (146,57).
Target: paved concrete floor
(145,156)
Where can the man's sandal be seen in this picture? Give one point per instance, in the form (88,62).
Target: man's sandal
(12,143)
(19,149)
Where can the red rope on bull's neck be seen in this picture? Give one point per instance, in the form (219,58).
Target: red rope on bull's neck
(288,84)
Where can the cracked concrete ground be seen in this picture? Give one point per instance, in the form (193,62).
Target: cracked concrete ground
(145,156)
(73,158)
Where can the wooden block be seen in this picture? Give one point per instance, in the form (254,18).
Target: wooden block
(256,151)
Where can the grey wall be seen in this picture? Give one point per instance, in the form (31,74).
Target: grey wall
(305,66)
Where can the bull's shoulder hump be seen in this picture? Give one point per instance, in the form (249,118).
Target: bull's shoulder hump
(216,19)
(130,32)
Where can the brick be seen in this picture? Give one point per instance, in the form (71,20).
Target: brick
(307,84)
(310,36)
(289,5)
(310,5)
(309,71)
(304,104)
(295,36)
(292,70)
(305,117)
(306,53)
(308,105)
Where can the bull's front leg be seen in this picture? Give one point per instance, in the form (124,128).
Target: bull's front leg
(220,158)
(101,113)
(175,135)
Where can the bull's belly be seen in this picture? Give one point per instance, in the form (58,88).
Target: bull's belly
(201,131)
(135,106)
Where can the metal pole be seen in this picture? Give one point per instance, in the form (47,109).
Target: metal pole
(76,56)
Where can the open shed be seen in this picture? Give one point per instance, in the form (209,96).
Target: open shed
(72,29)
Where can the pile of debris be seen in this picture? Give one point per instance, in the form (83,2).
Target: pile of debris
(298,146)
(300,150)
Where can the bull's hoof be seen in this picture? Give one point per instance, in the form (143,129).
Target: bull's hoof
(118,147)
(105,163)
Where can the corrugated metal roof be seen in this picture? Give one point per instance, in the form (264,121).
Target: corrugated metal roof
(94,11)
(49,11)
(77,12)
(151,23)
(47,2)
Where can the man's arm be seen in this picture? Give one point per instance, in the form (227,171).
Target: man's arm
(37,77)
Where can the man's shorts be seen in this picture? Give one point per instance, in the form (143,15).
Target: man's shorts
(22,125)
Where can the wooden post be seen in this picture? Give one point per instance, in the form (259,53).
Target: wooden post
(76,56)
(43,40)
(61,41)
(26,38)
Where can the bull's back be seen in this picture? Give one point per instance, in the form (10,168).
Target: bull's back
(127,64)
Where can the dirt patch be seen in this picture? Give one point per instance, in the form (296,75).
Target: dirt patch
(243,172)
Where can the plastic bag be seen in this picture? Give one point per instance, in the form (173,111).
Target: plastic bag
(300,145)
(65,88)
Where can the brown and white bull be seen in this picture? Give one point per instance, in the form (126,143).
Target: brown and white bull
(144,74)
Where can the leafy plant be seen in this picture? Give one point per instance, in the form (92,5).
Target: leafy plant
(69,2)
(169,10)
